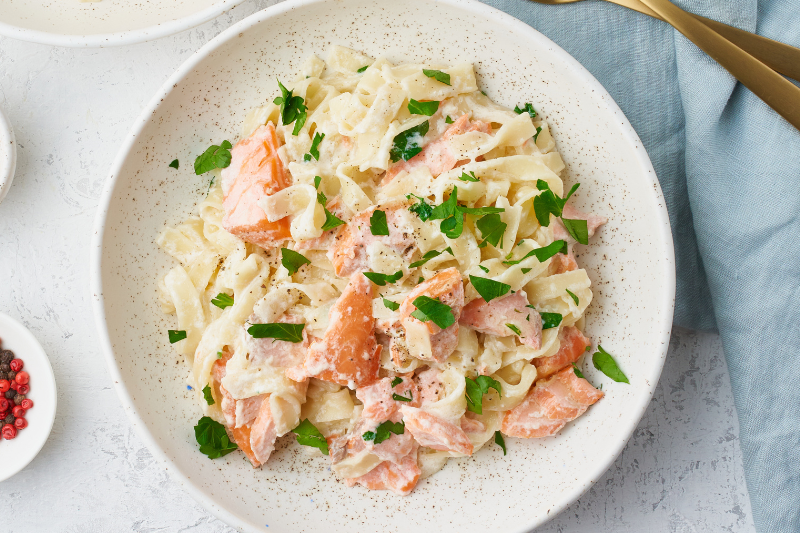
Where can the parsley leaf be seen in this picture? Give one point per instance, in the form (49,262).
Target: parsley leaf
(314,150)
(408,143)
(293,108)
(433,310)
(492,229)
(423,209)
(604,362)
(293,260)
(176,335)
(577,371)
(483,268)
(550,320)
(577,229)
(382,279)
(422,108)
(468,176)
(175,164)
(536,135)
(309,435)
(476,389)
(207,395)
(515,329)
(438,75)
(362,69)
(526,108)
(317,181)
(384,431)
(489,289)
(280,331)
(574,297)
(396,397)
(526,270)
(453,226)
(222,300)
(447,208)
(214,157)
(212,438)
(479,211)
(448,120)
(542,254)
(331,221)
(398,380)
(378,224)
(548,202)
(500,441)
(428,256)
(394,306)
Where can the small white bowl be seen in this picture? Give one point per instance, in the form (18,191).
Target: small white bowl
(8,155)
(17,453)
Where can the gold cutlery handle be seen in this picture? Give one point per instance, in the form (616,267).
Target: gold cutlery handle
(775,90)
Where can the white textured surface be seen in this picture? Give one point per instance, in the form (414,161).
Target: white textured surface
(71,109)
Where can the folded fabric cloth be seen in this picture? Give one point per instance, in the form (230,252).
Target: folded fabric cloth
(730,170)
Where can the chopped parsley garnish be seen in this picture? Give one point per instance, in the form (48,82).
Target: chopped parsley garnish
(515,329)
(293,109)
(212,438)
(314,151)
(476,389)
(548,202)
(468,176)
(293,260)
(394,306)
(536,135)
(577,371)
(396,397)
(423,209)
(448,120)
(422,108)
(492,230)
(542,254)
(480,211)
(452,224)
(280,331)
(438,75)
(207,395)
(420,280)
(428,256)
(605,363)
(214,157)
(550,320)
(362,69)
(222,300)
(175,164)
(526,270)
(378,224)
(384,431)
(483,268)
(452,227)
(489,289)
(308,435)
(526,108)
(382,279)
(398,380)
(577,229)
(331,221)
(574,297)
(176,335)
(408,143)
(433,310)
(500,441)
(317,181)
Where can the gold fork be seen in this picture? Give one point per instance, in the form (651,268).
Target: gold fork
(775,90)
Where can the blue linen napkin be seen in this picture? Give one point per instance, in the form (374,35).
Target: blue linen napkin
(730,170)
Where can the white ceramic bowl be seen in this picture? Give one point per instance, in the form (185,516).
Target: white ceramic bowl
(631,262)
(8,155)
(15,454)
(106,22)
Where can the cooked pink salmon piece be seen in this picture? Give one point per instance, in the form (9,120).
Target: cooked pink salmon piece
(447,287)
(255,170)
(348,253)
(430,386)
(437,155)
(434,432)
(493,317)
(573,345)
(549,405)
(262,433)
(400,477)
(470,425)
(348,353)
(593,223)
(274,352)
(378,400)
(563,263)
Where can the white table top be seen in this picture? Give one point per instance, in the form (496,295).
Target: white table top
(71,109)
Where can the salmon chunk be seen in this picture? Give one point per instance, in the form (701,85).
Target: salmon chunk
(400,477)
(277,353)
(549,405)
(348,353)
(573,345)
(493,318)
(447,287)
(563,263)
(434,432)
(438,156)
(378,400)
(255,170)
(263,434)
(349,251)
(593,223)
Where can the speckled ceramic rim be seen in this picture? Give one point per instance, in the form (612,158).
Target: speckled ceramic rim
(475,8)
(8,155)
(122,38)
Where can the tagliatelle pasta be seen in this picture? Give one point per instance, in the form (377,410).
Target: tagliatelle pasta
(383,265)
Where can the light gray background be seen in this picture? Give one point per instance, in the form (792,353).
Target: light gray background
(71,109)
